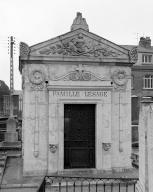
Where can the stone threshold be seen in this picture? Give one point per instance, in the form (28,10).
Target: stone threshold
(119,173)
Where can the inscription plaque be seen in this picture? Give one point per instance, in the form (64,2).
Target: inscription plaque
(77,94)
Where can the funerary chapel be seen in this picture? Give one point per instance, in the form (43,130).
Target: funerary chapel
(76,103)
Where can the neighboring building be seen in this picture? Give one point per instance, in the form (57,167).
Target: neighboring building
(142,78)
(76,103)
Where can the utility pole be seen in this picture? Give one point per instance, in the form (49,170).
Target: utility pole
(11,52)
(11,134)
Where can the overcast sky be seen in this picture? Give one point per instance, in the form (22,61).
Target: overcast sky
(34,21)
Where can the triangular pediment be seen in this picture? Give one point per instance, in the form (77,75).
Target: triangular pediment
(80,43)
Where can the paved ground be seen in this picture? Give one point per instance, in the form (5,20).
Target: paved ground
(14,179)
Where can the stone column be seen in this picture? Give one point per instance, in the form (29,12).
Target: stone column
(146,146)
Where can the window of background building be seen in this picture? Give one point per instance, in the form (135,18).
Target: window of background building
(146,58)
(135,109)
(148,82)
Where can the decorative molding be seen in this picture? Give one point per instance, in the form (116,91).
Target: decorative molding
(80,45)
(37,87)
(119,78)
(79,75)
(106,146)
(36,128)
(37,79)
(53,148)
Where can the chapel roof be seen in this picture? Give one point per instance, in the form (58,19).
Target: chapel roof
(77,44)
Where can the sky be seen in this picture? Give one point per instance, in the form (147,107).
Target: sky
(33,21)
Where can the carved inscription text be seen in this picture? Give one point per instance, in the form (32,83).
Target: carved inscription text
(80,94)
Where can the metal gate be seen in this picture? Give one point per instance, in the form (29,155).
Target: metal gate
(87,184)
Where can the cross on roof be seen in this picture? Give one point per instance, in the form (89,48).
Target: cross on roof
(80,68)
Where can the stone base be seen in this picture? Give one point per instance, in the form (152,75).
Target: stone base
(11,124)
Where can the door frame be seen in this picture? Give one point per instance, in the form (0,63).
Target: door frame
(89,107)
(98,130)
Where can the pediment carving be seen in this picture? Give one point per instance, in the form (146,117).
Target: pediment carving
(80,45)
(79,74)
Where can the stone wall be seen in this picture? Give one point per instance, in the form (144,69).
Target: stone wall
(43,113)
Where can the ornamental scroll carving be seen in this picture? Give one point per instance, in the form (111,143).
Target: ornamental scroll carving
(80,45)
(133,54)
(79,74)
(37,79)
(24,49)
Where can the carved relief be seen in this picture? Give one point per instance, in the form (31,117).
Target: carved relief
(79,75)
(119,77)
(80,45)
(134,54)
(53,148)
(106,146)
(37,79)
(79,22)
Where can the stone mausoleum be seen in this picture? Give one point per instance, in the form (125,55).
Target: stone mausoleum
(76,103)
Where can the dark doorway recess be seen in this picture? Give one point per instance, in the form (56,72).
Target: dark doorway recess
(79,136)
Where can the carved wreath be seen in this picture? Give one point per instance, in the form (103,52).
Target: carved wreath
(37,77)
(119,77)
